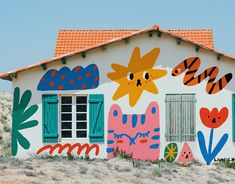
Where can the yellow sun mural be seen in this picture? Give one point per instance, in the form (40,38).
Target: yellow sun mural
(137,76)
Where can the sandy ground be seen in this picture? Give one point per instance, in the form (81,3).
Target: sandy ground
(117,170)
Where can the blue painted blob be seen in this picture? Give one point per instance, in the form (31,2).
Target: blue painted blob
(110,131)
(154,146)
(110,142)
(134,120)
(78,78)
(109,150)
(142,120)
(156,129)
(124,118)
(115,113)
(153,110)
(155,137)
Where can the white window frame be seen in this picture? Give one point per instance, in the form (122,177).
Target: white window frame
(74,113)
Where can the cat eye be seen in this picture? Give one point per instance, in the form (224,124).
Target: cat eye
(130,76)
(146,75)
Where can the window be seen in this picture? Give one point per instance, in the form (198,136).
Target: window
(180,117)
(73,116)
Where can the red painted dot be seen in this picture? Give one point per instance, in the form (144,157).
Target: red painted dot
(52,83)
(97,78)
(143,140)
(93,85)
(80,77)
(71,81)
(43,79)
(119,141)
(62,77)
(53,73)
(88,74)
(60,87)
(77,68)
(95,68)
(84,86)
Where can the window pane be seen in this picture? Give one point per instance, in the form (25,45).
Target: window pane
(66,125)
(66,134)
(66,99)
(81,125)
(65,117)
(81,116)
(66,108)
(81,99)
(81,108)
(81,134)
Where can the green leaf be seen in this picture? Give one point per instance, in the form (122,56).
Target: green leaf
(28,124)
(19,116)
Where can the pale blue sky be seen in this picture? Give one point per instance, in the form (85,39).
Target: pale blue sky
(28,29)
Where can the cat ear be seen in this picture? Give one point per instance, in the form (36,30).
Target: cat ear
(115,111)
(152,108)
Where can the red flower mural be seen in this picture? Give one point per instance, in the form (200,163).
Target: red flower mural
(214,118)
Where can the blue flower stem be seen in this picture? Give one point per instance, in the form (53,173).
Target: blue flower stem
(210,142)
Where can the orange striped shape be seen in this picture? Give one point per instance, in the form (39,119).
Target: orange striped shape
(192,65)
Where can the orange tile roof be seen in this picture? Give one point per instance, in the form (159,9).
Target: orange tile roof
(202,36)
(155,28)
(73,40)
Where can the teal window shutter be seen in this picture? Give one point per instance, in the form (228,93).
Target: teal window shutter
(50,118)
(96,117)
(233,116)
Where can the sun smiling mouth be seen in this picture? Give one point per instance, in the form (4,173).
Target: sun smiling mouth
(138,82)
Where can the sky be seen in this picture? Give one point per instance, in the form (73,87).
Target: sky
(28,29)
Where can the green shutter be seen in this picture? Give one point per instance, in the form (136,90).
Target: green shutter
(50,118)
(96,118)
(233,116)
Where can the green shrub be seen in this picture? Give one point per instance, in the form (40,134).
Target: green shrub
(229,164)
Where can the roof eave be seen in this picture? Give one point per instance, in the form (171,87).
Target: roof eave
(6,76)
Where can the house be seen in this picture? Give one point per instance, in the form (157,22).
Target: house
(150,93)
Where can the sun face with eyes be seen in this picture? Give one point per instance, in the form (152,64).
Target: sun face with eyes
(137,76)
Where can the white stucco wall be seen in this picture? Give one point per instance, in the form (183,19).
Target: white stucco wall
(170,55)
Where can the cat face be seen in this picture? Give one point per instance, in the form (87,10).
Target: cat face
(135,134)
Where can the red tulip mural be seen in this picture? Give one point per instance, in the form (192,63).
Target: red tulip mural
(212,119)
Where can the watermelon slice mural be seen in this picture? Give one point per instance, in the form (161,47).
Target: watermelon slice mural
(186,154)
(78,78)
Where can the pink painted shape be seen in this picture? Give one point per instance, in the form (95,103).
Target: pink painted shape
(186,154)
(141,149)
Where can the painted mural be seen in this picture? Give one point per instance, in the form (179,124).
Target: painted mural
(20,114)
(78,78)
(212,119)
(137,135)
(171,152)
(137,76)
(186,154)
(68,148)
(192,65)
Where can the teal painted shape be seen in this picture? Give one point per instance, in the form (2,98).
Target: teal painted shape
(20,115)
(233,117)
(96,117)
(50,118)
